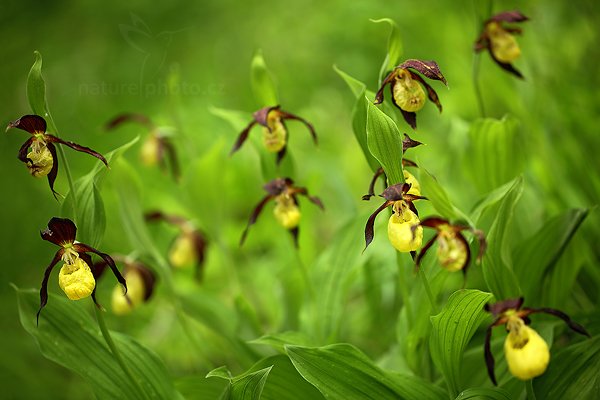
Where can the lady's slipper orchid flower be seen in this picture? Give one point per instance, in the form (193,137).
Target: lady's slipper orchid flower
(499,40)
(77,277)
(415,188)
(404,230)
(39,152)
(286,211)
(526,353)
(189,247)
(140,285)
(453,251)
(275,134)
(407,87)
(157,149)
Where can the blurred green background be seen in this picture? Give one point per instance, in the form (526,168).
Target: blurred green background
(105,58)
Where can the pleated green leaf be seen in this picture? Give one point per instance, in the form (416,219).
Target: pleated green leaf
(535,257)
(36,87)
(497,262)
(484,394)
(248,386)
(263,86)
(394,47)
(385,143)
(68,336)
(452,330)
(573,373)
(341,371)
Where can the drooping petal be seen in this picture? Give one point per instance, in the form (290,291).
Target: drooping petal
(371,192)
(54,171)
(281,154)
(154,216)
(77,147)
(129,117)
(389,78)
(395,192)
(242,138)
(369,227)
(506,66)
(22,156)
(84,248)
(44,288)
(489,357)
(434,222)
(304,192)
(294,232)
(254,216)
(172,156)
(313,133)
(60,231)
(200,244)
(501,306)
(431,93)
(557,313)
(424,250)
(261,116)
(29,123)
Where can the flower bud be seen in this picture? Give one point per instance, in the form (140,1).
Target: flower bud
(136,292)
(286,212)
(275,136)
(41,160)
(408,93)
(150,151)
(415,188)
(183,251)
(451,251)
(503,44)
(404,231)
(526,353)
(76,279)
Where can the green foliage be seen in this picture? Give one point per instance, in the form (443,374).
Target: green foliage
(394,50)
(248,386)
(385,142)
(263,86)
(36,87)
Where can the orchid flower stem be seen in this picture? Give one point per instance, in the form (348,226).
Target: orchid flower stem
(403,287)
(529,390)
(305,275)
(428,291)
(113,348)
(478,95)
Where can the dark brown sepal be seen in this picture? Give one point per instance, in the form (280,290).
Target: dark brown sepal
(409,143)
(261,115)
(304,192)
(167,145)
(409,163)
(130,117)
(388,79)
(200,243)
(280,154)
(395,192)
(557,313)
(75,146)
(428,68)
(465,265)
(507,67)
(434,222)
(496,309)
(254,216)
(242,138)
(369,227)
(29,123)
(44,288)
(155,216)
(278,185)
(509,16)
(24,150)
(60,231)
(54,170)
(409,117)
(489,357)
(431,93)
(424,250)
(371,192)
(294,232)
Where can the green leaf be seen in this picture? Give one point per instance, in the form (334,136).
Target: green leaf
(502,139)
(36,87)
(263,86)
(341,371)
(484,394)
(497,262)
(489,200)
(536,257)
(452,330)
(385,143)
(201,388)
(279,340)
(68,336)
(394,50)
(354,84)
(439,198)
(573,373)
(247,386)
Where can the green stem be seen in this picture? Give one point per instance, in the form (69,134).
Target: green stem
(305,276)
(403,287)
(428,291)
(529,390)
(114,350)
(478,95)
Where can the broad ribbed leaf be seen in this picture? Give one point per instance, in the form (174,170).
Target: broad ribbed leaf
(489,200)
(279,340)
(354,84)
(497,262)
(438,197)
(394,48)
(484,394)
(385,143)
(247,386)
(265,91)
(341,371)
(535,257)
(573,373)
(502,139)
(36,87)
(452,330)
(68,336)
